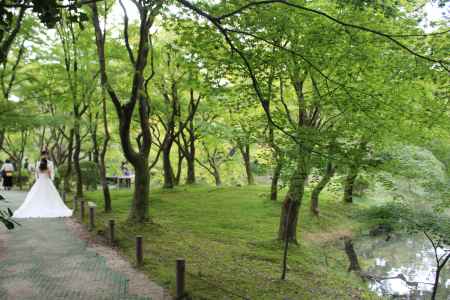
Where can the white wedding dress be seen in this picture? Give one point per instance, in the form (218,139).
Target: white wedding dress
(43,200)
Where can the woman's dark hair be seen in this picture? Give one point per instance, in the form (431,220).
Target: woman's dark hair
(8,161)
(43,165)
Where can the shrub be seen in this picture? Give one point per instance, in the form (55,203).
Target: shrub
(90,174)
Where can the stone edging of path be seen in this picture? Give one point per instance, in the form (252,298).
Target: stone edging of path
(138,284)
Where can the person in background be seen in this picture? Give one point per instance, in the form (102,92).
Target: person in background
(124,168)
(7,170)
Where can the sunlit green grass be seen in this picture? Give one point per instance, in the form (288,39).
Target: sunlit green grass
(228,238)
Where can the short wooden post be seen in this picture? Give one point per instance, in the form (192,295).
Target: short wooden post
(112,237)
(82,208)
(180,279)
(92,215)
(139,251)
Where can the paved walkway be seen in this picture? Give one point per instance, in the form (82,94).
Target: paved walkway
(45,259)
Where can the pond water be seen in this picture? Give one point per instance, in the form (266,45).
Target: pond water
(410,259)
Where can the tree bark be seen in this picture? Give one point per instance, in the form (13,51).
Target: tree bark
(352,257)
(190,155)
(169,176)
(139,211)
(68,174)
(245,151)
(288,221)
(329,173)
(76,161)
(353,171)
(99,155)
(349,184)
(217,177)
(190,176)
(179,167)
(275,178)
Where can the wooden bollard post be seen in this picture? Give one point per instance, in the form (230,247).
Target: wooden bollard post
(112,237)
(139,251)
(180,279)
(82,208)
(92,206)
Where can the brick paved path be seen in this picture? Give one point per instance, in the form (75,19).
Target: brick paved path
(43,259)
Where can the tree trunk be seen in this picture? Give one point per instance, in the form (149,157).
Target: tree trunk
(349,184)
(329,173)
(440,266)
(19,175)
(179,167)
(169,177)
(288,226)
(216,175)
(102,164)
(352,257)
(140,98)
(67,175)
(76,162)
(190,158)
(139,208)
(275,178)
(105,187)
(245,151)
(2,137)
(190,177)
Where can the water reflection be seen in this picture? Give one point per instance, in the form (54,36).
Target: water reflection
(404,267)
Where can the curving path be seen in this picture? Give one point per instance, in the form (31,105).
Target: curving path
(47,259)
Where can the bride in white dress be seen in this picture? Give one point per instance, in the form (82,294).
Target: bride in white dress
(43,200)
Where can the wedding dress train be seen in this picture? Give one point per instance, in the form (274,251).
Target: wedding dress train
(43,201)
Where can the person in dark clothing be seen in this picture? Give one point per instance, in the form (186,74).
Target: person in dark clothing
(7,170)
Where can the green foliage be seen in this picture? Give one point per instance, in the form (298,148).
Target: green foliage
(90,174)
(48,11)
(402,217)
(6,219)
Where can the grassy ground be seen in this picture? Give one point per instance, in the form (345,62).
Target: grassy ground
(227,236)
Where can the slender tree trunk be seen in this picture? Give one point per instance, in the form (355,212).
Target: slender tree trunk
(76,162)
(19,175)
(68,174)
(216,175)
(349,184)
(275,178)
(102,164)
(190,177)
(2,137)
(245,151)
(179,167)
(329,173)
(190,157)
(352,257)
(440,265)
(169,177)
(42,139)
(293,199)
(95,155)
